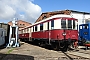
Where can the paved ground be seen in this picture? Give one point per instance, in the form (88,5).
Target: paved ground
(31,52)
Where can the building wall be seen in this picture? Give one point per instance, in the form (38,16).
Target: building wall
(80,16)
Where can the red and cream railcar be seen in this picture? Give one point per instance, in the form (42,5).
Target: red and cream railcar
(60,31)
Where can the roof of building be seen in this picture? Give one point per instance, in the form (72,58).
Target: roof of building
(22,21)
(67,12)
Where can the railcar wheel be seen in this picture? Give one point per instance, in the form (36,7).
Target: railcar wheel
(55,47)
(41,44)
(65,48)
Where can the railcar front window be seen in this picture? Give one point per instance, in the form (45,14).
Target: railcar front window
(70,24)
(63,23)
(86,26)
(35,28)
(73,24)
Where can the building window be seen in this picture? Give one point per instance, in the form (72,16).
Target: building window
(23,24)
(20,24)
(52,24)
(35,28)
(41,26)
(63,23)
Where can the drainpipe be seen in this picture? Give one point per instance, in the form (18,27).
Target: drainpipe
(83,21)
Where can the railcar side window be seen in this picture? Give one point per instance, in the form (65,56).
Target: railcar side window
(41,26)
(63,23)
(27,30)
(70,24)
(52,24)
(73,24)
(35,28)
(48,26)
(24,31)
(21,31)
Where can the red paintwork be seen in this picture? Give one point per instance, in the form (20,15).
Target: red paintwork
(52,34)
(56,34)
(25,35)
(87,45)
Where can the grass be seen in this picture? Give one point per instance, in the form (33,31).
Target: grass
(10,51)
(1,58)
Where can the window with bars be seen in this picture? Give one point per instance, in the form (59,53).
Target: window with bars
(63,23)
(41,27)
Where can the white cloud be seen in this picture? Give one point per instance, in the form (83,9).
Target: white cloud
(21,9)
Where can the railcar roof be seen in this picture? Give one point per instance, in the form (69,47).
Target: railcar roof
(52,17)
(83,24)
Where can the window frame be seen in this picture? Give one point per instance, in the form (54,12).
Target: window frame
(63,25)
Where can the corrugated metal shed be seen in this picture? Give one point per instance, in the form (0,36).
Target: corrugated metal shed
(6,27)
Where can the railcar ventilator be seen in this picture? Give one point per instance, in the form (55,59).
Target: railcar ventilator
(13,35)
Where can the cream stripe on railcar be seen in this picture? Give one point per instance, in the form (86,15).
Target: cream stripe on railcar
(72,24)
(38,27)
(45,26)
(49,25)
(55,16)
(76,23)
(66,23)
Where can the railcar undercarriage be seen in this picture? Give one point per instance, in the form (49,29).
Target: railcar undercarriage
(63,45)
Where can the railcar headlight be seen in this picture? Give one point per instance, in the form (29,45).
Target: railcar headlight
(64,34)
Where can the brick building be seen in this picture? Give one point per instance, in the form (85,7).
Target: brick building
(21,24)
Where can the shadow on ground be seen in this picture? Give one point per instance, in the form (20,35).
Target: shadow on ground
(15,57)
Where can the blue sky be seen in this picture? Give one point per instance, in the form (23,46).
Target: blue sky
(30,10)
(53,5)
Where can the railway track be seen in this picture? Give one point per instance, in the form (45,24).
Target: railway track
(77,55)
(69,55)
